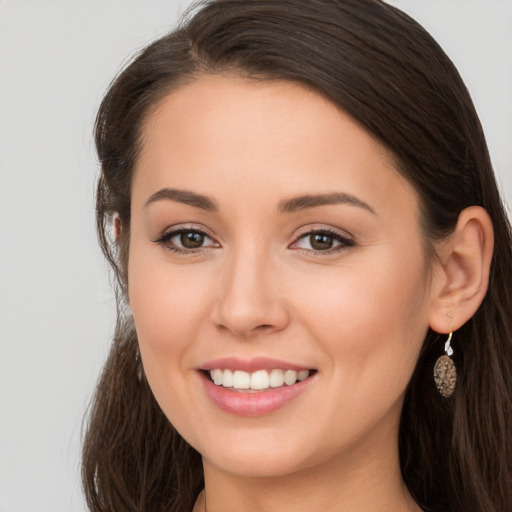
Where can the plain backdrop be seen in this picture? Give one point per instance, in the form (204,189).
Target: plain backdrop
(56,306)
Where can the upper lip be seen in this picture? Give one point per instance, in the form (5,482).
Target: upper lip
(251,365)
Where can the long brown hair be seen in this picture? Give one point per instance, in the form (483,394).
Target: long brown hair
(386,71)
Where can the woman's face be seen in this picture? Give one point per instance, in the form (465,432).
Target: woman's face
(270,235)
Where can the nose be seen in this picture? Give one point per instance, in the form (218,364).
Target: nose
(251,298)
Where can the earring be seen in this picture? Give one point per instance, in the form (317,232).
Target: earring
(445,373)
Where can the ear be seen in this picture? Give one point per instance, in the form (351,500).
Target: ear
(460,282)
(117,226)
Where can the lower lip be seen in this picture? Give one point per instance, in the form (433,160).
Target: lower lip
(252,404)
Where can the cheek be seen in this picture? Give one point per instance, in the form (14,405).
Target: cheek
(372,321)
(164,308)
(168,306)
(165,298)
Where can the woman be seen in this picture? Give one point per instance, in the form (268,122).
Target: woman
(316,259)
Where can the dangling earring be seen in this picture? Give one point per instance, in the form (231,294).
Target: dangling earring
(445,374)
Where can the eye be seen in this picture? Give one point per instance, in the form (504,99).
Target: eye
(186,240)
(189,239)
(323,240)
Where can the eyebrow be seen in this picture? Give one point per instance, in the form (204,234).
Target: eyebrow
(311,201)
(292,205)
(184,196)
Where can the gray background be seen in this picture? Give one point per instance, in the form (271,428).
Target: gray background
(56,306)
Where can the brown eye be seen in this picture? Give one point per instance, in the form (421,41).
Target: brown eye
(192,239)
(321,242)
(186,241)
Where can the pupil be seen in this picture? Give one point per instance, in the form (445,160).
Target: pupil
(192,240)
(321,242)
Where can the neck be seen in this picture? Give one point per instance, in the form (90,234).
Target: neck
(366,480)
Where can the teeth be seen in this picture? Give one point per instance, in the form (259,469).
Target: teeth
(258,380)
(290,377)
(241,380)
(217,376)
(302,375)
(276,378)
(227,379)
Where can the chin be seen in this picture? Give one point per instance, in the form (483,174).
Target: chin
(255,464)
(259,455)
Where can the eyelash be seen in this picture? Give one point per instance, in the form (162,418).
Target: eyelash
(164,240)
(344,242)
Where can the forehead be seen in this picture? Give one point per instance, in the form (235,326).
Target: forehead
(258,107)
(219,132)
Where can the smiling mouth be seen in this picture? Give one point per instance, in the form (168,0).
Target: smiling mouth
(260,380)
